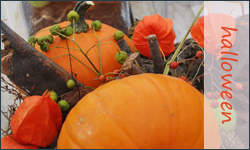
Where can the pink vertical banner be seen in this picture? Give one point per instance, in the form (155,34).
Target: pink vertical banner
(225,30)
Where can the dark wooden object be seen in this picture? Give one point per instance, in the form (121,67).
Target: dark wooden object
(29,69)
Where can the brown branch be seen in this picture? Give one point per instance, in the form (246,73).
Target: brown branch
(155,53)
(29,69)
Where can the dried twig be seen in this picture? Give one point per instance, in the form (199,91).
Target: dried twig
(155,53)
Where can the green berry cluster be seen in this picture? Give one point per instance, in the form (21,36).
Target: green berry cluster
(44,41)
(55,30)
(32,40)
(67,31)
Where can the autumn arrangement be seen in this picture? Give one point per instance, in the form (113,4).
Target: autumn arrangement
(106,98)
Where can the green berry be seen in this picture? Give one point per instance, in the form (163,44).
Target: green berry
(32,39)
(40,40)
(97,24)
(121,57)
(49,38)
(69,31)
(54,29)
(73,15)
(71,84)
(53,96)
(63,104)
(44,47)
(118,35)
(63,32)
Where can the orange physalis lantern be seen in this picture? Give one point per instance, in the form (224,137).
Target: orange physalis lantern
(161,27)
(37,121)
(8,142)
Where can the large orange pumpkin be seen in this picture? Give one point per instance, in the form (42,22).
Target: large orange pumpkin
(141,111)
(86,41)
(161,27)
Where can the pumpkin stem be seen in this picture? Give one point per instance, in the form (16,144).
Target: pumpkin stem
(81,7)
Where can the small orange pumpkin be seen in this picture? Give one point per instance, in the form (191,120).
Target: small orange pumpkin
(86,41)
(36,121)
(8,142)
(146,111)
(208,32)
(155,24)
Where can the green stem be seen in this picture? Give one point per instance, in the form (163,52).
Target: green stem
(55,46)
(77,60)
(100,44)
(99,50)
(181,52)
(187,60)
(115,46)
(106,38)
(167,67)
(74,27)
(58,56)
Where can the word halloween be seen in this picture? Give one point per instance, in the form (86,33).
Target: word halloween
(227,44)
